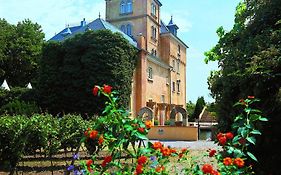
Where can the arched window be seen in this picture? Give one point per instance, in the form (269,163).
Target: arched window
(129,6)
(122,7)
(129,29)
(123,29)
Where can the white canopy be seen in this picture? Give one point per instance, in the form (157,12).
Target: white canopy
(5,86)
(29,86)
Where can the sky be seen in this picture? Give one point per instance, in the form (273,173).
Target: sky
(198,21)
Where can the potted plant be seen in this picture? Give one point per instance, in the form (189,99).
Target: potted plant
(156,122)
(167,123)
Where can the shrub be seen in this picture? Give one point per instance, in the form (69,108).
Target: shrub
(17,107)
(71,130)
(13,136)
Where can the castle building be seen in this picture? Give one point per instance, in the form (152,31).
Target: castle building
(160,77)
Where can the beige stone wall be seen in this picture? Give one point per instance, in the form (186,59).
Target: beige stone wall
(173,133)
(156,87)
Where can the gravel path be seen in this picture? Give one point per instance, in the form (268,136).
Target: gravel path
(192,145)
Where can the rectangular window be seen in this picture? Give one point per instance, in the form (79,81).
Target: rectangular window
(153,32)
(153,9)
(178,66)
(178,85)
(150,73)
(174,87)
(174,65)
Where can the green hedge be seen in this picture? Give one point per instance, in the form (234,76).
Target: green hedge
(21,135)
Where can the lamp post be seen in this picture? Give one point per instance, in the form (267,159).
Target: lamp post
(198,126)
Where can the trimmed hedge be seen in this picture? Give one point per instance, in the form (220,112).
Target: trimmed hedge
(20,135)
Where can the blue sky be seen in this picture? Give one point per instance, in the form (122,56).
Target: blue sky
(197,20)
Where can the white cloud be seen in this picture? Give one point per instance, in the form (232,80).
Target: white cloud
(179,17)
(52,15)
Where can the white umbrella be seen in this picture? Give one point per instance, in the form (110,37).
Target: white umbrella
(5,86)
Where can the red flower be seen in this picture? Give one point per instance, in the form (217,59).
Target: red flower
(139,169)
(148,124)
(141,130)
(229,135)
(180,155)
(184,150)
(101,139)
(159,168)
(239,162)
(106,160)
(222,140)
(157,145)
(86,133)
(212,152)
(227,161)
(93,134)
(219,135)
(166,151)
(207,168)
(214,172)
(95,90)
(89,162)
(142,160)
(107,89)
(251,97)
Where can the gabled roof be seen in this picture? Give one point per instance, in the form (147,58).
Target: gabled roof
(98,24)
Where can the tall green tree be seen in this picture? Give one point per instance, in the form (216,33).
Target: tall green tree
(200,103)
(20,51)
(70,69)
(249,57)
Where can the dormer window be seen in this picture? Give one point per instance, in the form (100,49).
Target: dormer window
(129,29)
(123,29)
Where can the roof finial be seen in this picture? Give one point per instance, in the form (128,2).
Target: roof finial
(171,21)
(99,14)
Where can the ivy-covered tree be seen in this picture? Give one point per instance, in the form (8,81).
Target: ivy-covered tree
(70,69)
(20,50)
(249,58)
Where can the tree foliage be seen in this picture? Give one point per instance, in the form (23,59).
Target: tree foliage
(70,69)
(20,49)
(249,57)
(200,103)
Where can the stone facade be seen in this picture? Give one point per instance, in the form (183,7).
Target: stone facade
(160,77)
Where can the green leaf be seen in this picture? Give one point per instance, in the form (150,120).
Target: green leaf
(254,117)
(263,119)
(257,132)
(238,153)
(252,156)
(251,140)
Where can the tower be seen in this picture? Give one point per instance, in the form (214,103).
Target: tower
(137,17)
